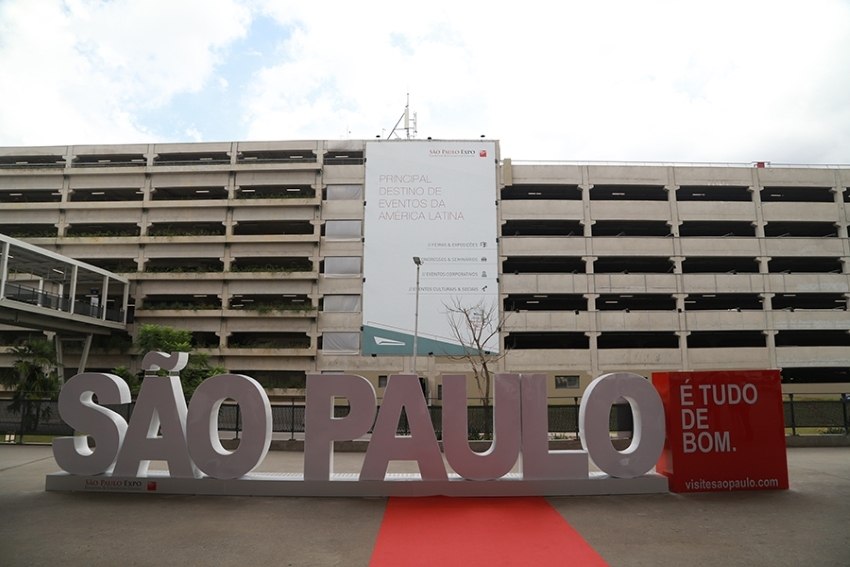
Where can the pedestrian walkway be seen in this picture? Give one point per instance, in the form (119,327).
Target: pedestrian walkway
(806,525)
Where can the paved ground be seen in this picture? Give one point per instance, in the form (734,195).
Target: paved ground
(807,525)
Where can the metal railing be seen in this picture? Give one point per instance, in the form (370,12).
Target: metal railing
(830,415)
(32,296)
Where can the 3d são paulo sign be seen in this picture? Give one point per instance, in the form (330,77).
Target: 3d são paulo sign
(699,431)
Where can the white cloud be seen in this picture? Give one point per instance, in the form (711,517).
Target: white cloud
(193,134)
(604,80)
(653,80)
(81,71)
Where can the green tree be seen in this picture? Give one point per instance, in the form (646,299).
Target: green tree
(133,380)
(168,339)
(35,382)
(164,339)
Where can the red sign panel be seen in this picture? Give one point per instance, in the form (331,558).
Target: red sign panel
(725,430)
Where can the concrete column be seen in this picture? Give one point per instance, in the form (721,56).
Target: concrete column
(586,219)
(677,260)
(231,185)
(507,172)
(66,190)
(673,218)
(142,259)
(223,334)
(62,225)
(843,216)
(225,296)
(143,223)
(69,157)
(755,192)
(683,348)
(147,189)
(594,350)
(770,336)
(229,224)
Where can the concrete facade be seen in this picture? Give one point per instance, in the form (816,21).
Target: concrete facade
(604,267)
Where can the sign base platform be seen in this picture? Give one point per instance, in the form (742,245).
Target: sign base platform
(348,485)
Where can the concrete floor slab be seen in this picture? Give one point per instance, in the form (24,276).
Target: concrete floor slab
(806,525)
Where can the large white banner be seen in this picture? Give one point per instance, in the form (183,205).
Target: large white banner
(436,201)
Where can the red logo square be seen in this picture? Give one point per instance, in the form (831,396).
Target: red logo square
(725,430)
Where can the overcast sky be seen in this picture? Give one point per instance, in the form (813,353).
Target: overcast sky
(716,81)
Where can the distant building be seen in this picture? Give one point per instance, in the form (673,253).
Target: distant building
(259,248)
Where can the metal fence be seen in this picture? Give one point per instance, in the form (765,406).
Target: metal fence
(801,417)
(832,415)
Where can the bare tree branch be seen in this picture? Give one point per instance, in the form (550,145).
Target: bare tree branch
(474,326)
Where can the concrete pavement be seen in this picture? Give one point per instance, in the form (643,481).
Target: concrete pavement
(807,525)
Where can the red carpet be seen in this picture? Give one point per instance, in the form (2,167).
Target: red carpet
(478,531)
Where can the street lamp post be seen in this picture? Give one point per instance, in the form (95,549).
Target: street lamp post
(418,261)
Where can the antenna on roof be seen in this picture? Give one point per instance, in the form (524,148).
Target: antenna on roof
(409,123)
